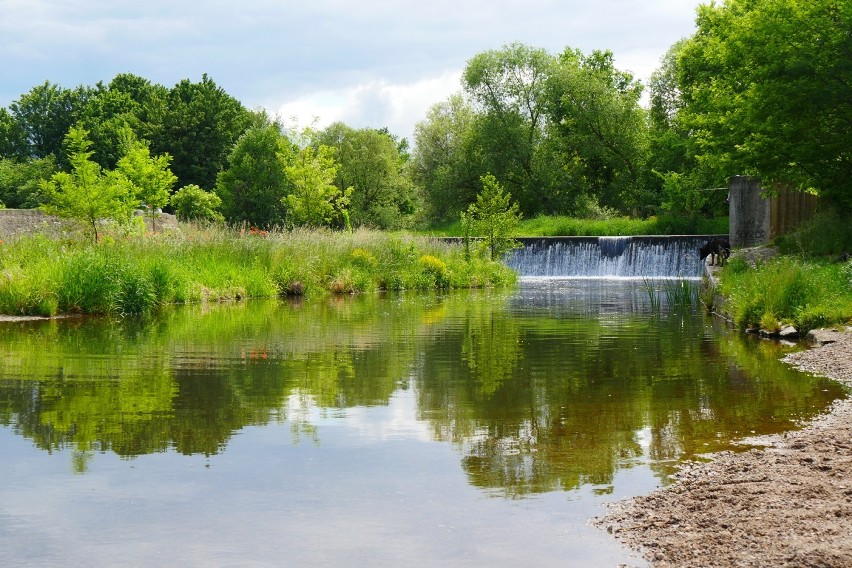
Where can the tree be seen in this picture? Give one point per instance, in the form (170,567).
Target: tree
(315,201)
(370,163)
(594,109)
(444,163)
(43,117)
(200,125)
(12,137)
(191,203)
(150,175)
(87,194)
(765,86)
(20,181)
(493,216)
(255,182)
(509,86)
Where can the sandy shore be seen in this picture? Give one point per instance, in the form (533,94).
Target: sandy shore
(789,504)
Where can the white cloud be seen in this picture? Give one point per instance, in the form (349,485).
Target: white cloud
(375,63)
(373,104)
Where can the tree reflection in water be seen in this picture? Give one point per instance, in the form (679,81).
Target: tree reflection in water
(543,388)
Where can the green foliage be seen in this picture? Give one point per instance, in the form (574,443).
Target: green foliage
(314,200)
(198,127)
(826,234)
(444,164)
(493,217)
(87,194)
(550,226)
(191,203)
(20,181)
(436,270)
(255,182)
(765,87)
(509,86)
(150,175)
(807,293)
(370,162)
(595,111)
(41,118)
(133,276)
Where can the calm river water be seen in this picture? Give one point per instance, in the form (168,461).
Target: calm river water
(465,429)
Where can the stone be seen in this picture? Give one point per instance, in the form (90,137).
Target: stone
(788,331)
(823,336)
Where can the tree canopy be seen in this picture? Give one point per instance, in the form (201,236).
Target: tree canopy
(766,92)
(761,88)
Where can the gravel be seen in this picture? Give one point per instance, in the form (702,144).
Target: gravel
(787,504)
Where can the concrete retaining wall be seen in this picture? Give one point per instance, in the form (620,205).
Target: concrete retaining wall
(16,223)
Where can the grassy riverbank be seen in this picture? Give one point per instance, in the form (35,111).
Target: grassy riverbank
(806,293)
(555,226)
(39,276)
(808,286)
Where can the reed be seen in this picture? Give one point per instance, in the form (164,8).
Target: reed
(681,295)
(136,275)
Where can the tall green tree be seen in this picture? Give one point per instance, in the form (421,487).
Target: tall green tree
(200,125)
(88,194)
(315,200)
(444,165)
(43,116)
(680,181)
(12,136)
(766,89)
(509,86)
(255,182)
(371,164)
(595,112)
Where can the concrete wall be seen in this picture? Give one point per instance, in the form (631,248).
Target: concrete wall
(19,222)
(756,220)
(749,213)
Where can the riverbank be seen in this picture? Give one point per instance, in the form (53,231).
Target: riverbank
(787,504)
(134,274)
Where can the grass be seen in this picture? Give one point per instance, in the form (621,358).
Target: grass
(552,226)
(806,293)
(809,286)
(39,276)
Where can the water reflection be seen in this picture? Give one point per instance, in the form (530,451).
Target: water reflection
(553,386)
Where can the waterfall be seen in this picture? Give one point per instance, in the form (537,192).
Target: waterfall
(605,257)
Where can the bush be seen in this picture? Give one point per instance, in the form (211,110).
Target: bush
(826,234)
(191,203)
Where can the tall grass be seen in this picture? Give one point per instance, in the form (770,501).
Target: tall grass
(805,293)
(552,226)
(826,234)
(680,295)
(129,276)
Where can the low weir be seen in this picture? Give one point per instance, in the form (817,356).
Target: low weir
(609,257)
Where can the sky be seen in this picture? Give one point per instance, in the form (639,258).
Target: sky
(372,63)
